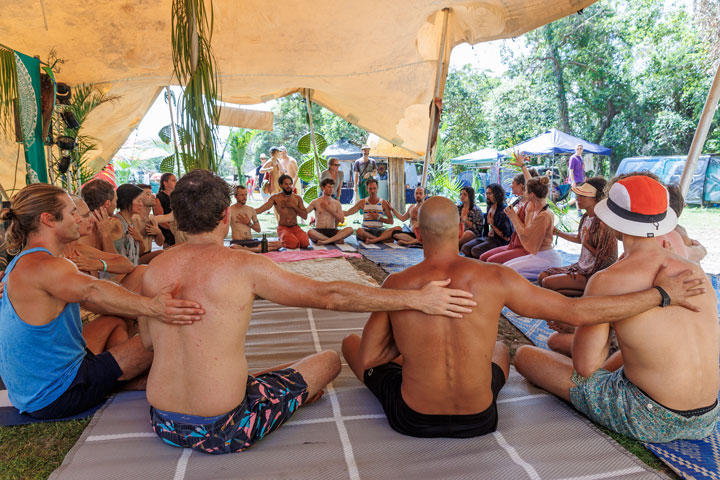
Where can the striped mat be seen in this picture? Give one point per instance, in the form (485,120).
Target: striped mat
(345,434)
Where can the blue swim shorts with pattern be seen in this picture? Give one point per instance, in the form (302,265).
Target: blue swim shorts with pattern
(270,400)
(610,399)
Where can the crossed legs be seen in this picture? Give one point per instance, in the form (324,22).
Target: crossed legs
(321,239)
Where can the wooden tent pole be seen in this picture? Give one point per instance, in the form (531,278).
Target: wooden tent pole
(701,133)
(440,79)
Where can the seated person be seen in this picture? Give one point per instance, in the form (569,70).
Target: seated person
(242,220)
(376,212)
(442,380)
(148,226)
(668,386)
(217,394)
(407,236)
(599,251)
(125,235)
(51,365)
(471,215)
(497,228)
(329,215)
(514,248)
(101,199)
(288,206)
(535,233)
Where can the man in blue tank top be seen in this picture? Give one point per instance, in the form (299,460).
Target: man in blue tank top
(45,361)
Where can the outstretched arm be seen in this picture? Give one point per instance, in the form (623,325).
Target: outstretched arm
(281,286)
(535,302)
(266,206)
(62,280)
(355,208)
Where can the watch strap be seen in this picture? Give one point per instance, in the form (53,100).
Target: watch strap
(666,300)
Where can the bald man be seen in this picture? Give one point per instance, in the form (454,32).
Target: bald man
(442,380)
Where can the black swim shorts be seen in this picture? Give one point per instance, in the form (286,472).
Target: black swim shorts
(406,230)
(375,232)
(246,243)
(328,232)
(270,400)
(385,382)
(96,378)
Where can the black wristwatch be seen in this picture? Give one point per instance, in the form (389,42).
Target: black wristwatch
(665,297)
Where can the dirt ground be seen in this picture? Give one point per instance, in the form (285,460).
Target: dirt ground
(507,333)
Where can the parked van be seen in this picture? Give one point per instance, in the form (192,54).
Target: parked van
(705,184)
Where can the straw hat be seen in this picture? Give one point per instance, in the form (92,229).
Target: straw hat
(637,206)
(585,190)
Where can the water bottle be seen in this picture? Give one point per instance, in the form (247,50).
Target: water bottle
(264,244)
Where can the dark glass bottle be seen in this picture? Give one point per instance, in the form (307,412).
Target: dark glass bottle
(264,244)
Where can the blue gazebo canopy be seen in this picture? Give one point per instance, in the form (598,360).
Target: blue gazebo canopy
(554,141)
(343,150)
(486,156)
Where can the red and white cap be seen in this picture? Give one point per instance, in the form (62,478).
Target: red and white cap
(637,206)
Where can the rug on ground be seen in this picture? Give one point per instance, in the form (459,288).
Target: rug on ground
(345,434)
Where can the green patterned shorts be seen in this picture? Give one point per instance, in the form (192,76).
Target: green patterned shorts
(610,399)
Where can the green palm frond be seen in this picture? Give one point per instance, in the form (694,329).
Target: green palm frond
(8,92)
(192,27)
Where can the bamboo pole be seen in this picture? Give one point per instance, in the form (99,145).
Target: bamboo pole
(701,133)
(439,87)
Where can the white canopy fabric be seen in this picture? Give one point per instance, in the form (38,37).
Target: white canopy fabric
(374,62)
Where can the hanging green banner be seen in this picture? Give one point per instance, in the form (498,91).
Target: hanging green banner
(28,76)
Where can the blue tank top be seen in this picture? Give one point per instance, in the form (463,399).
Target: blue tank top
(38,363)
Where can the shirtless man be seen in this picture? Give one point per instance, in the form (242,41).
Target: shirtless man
(376,212)
(329,215)
(288,207)
(242,220)
(668,386)
(148,227)
(213,385)
(290,165)
(451,370)
(101,199)
(407,236)
(52,367)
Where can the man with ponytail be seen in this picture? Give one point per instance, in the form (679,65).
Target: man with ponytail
(49,368)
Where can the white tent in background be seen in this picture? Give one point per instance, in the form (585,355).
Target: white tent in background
(375,63)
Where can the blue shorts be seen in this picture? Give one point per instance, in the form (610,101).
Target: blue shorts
(613,401)
(270,400)
(96,378)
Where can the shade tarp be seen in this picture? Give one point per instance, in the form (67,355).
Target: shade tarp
(374,63)
(383,148)
(485,156)
(555,141)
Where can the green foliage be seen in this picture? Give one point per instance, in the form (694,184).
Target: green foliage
(8,92)
(311,193)
(238,143)
(192,28)
(304,145)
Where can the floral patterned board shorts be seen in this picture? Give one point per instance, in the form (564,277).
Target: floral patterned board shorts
(270,400)
(610,399)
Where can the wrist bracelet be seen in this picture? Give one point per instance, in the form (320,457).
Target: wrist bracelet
(104,265)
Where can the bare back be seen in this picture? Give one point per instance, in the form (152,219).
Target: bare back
(671,353)
(446,361)
(200,369)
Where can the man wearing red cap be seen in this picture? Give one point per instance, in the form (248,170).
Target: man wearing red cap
(667,388)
